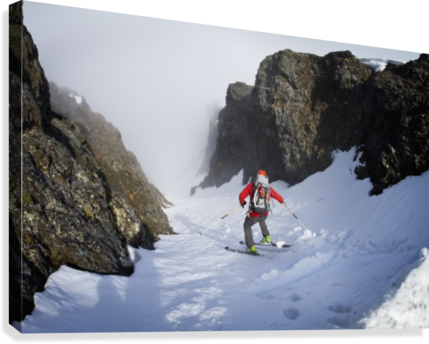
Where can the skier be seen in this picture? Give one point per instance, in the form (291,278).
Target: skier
(260,194)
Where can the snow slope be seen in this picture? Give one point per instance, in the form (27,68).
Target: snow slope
(356,262)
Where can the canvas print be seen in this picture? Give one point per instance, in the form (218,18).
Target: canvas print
(168,176)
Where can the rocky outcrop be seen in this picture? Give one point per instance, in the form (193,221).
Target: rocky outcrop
(134,200)
(304,107)
(228,158)
(77,196)
(397,125)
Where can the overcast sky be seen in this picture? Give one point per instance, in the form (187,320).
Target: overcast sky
(158,80)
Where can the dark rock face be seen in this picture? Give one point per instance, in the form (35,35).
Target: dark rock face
(227,160)
(397,133)
(77,197)
(303,107)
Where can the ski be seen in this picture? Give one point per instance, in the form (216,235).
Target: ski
(269,245)
(230,249)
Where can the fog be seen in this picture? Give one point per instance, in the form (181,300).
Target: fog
(158,80)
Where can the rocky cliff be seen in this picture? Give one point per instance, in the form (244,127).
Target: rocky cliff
(133,199)
(304,107)
(77,196)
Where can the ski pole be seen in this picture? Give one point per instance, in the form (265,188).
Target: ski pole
(230,213)
(296,217)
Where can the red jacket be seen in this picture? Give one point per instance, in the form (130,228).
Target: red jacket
(248,191)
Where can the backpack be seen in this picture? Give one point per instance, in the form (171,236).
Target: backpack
(261,195)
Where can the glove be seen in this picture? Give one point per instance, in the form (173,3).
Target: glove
(243,204)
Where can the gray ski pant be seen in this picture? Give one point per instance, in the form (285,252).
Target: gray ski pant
(249,222)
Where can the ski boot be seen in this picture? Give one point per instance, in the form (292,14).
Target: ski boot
(266,240)
(252,250)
